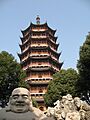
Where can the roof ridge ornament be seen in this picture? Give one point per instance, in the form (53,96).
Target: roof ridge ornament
(38,20)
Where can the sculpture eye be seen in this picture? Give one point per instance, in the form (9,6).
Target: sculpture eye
(15,96)
(25,96)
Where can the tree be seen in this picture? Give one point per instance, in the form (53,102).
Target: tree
(83,66)
(11,75)
(34,102)
(64,82)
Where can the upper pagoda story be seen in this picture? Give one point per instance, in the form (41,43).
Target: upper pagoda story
(37,29)
(39,40)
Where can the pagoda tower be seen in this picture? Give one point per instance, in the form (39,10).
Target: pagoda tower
(39,58)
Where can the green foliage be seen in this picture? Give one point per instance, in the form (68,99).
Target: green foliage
(63,82)
(83,66)
(34,102)
(11,75)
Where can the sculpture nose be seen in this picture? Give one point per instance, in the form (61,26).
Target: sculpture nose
(20,99)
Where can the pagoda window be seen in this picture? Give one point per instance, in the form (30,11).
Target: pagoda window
(39,64)
(33,61)
(40,75)
(36,94)
(34,41)
(38,42)
(43,34)
(40,91)
(39,52)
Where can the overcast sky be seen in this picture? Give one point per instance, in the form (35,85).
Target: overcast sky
(71,19)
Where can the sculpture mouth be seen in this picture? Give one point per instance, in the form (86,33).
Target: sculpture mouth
(20,104)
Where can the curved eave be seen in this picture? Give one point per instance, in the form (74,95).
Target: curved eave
(49,28)
(54,38)
(24,52)
(43,48)
(40,58)
(43,25)
(53,31)
(25,30)
(20,46)
(60,65)
(53,50)
(19,55)
(39,48)
(34,58)
(59,55)
(39,25)
(41,70)
(56,45)
(24,38)
(24,43)
(56,62)
(46,38)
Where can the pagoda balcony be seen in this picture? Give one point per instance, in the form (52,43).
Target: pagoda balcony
(37,36)
(39,81)
(28,79)
(44,67)
(37,96)
(39,29)
(39,68)
(39,55)
(39,45)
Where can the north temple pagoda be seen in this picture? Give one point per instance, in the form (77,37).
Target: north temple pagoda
(39,58)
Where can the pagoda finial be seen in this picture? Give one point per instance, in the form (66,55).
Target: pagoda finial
(38,19)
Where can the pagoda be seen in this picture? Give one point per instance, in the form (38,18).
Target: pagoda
(39,58)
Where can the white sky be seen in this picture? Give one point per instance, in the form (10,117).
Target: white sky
(71,18)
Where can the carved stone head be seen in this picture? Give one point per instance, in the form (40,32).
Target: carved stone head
(20,100)
(77,102)
(69,97)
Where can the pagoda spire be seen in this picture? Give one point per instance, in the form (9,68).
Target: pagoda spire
(38,20)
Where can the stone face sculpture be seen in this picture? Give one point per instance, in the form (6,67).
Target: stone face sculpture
(71,109)
(20,100)
(20,107)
